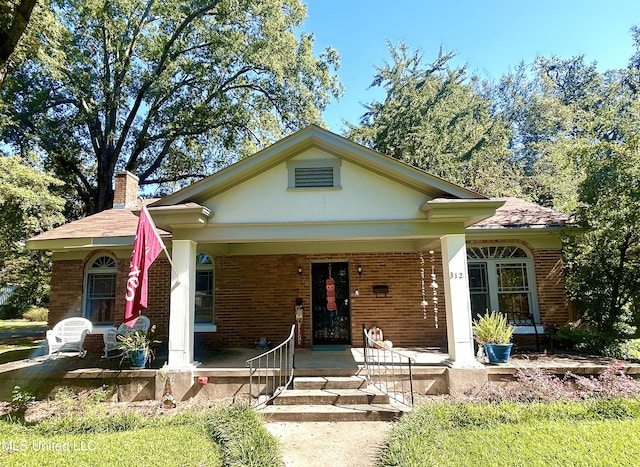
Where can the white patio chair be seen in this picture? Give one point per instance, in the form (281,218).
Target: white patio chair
(110,335)
(68,336)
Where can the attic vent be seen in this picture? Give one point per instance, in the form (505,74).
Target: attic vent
(314,174)
(314,177)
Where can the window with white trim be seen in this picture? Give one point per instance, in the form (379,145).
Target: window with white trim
(100,290)
(501,278)
(204,300)
(314,174)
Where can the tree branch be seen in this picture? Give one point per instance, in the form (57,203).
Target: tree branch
(162,63)
(11,33)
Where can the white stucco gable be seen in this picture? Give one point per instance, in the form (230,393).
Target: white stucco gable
(360,196)
(372,197)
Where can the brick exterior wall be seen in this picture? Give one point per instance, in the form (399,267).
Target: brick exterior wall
(554,307)
(67,288)
(255,296)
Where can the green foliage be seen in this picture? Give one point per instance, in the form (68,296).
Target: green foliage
(444,433)
(492,328)
(27,207)
(36,314)
(137,340)
(243,438)
(436,117)
(171,91)
(158,444)
(21,396)
(603,263)
(229,436)
(576,135)
(140,340)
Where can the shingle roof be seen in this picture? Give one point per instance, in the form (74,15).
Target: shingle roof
(123,222)
(109,223)
(517,212)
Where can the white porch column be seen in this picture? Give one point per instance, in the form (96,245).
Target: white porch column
(181,318)
(458,303)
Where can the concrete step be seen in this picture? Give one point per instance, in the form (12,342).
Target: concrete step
(331,397)
(329,382)
(331,413)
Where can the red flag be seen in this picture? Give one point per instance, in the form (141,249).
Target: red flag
(146,249)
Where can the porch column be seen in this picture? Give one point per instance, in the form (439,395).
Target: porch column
(457,301)
(181,317)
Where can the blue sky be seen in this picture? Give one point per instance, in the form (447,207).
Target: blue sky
(490,36)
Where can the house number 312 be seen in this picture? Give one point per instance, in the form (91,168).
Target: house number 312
(456,275)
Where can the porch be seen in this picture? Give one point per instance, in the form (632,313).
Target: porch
(223,373)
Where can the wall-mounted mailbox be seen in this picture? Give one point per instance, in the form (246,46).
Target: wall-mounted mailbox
(381,290)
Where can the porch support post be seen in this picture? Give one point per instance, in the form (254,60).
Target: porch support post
(181,317)
(457,301)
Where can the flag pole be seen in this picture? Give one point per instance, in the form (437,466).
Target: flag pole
(164,247)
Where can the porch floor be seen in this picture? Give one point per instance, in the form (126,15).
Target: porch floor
(351,358)
(307,359)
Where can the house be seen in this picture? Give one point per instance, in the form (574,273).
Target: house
(260,237)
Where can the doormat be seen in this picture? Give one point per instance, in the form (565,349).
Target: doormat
(326,348)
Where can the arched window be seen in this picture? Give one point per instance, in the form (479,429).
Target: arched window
(204,299)
(501,278)
(100,290)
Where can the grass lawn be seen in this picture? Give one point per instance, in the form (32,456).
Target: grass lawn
(595,432)
(166,445)
(226,436)
(13,324)
(18,348)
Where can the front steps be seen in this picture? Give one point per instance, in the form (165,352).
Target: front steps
(331,399)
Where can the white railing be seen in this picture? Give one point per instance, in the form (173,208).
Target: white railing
(271,373)
(388,370)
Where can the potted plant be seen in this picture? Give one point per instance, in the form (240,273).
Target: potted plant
(494,333)
(137,346)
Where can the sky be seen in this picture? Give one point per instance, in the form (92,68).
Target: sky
(490,36)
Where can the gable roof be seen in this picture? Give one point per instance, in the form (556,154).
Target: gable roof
(315,137)
(117,227)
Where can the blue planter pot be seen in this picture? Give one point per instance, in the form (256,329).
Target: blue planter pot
(137,358)
(498,353)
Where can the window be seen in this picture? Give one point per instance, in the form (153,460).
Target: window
(500,278)
(100,290)
(314,174)
(204,300)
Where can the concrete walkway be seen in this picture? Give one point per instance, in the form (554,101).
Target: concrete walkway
(330,444)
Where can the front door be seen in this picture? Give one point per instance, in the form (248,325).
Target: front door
(331,317)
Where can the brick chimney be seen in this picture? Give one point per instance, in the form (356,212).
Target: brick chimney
(125,193)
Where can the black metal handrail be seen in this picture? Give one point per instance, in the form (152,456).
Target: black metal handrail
(271,372)
(388,370)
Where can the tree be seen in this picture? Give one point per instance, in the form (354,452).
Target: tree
(27,207)
(435,117)
(603,264)
(14,17)
(170,91)
(552,106)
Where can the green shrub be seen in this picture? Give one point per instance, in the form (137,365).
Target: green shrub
(243,438)
(492,328)
(22,396)
(36,313)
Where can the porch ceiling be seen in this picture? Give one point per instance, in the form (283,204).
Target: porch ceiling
(318,247)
